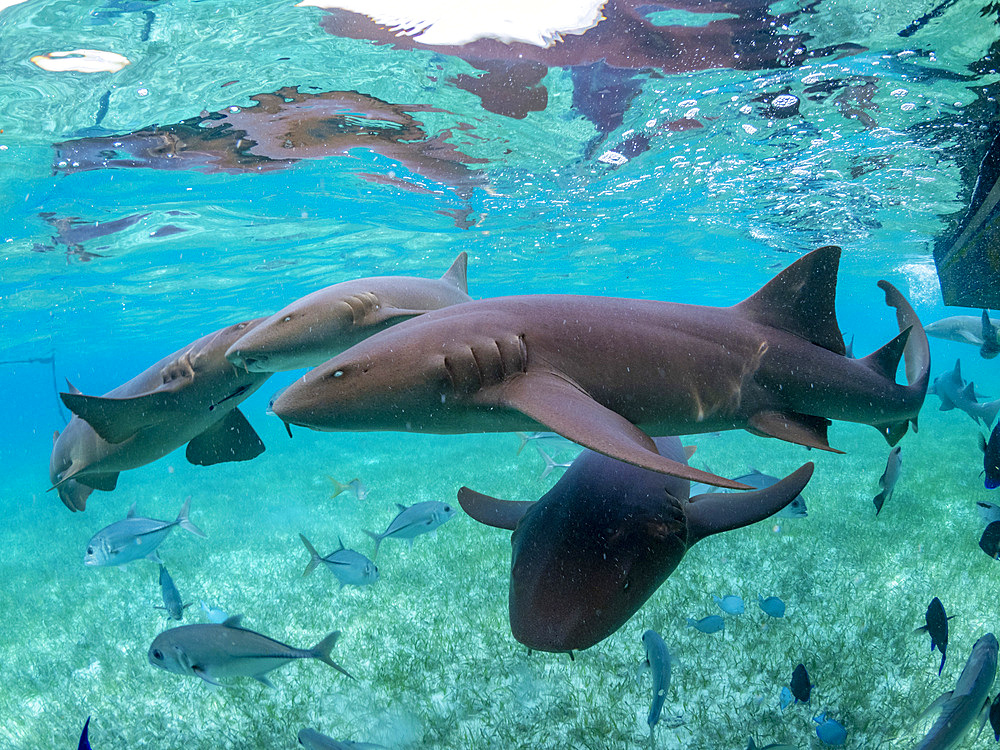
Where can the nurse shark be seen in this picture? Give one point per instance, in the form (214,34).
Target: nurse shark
(190,396)
(594,548)
(606,372)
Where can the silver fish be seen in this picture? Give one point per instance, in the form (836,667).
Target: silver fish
(213,651)
(887,482)
(313,740)
(356,487)
(214,614)
(550,463)
(658,662)
(538,438)
(171,596)
(134,538)
(969,700)
(350,567)
(413,521)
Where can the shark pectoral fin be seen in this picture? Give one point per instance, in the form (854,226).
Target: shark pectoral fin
(387,314)
(714,512)
(118,419)
(230,439)
(794,427)
(564,408)
(491,511)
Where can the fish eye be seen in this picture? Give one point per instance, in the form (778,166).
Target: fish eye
(157,654)
(447,509)
(90,550)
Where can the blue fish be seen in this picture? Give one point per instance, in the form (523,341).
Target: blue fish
(785,699)
(991,458)
(658,662)
(414,520)
(730,604)
(350,567)
(172,602)
(830,731)
(772,606)
(85,736)
(710,624)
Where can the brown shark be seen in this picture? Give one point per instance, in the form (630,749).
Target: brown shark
(600,370)
(320,325)
(594,548)
(190,396)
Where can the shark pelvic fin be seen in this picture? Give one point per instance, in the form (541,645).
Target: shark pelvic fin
(800,300)
(564,408)
(491,511)
(230,439)
(795,428)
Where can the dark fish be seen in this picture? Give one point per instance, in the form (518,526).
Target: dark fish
(937,628)
(991,458)
(989,542)
(995,717)
(988,512)
(85,736)
(801,687)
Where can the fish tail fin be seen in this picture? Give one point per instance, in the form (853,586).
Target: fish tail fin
(879,501)
(185,523)
(550,463)
(457,274)
(316,559)
(524,441)
(322,652)
(378,540)
(338,487)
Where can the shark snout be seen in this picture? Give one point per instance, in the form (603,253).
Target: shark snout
(247,360)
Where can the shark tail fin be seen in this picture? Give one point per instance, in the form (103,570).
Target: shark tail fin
(916,357)
(185,523)
(714,512)
(800,300)
(990,411)
(322,652)
(456,275)
(316,559)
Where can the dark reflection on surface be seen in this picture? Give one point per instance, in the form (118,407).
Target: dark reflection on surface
(280,129)
(605,61)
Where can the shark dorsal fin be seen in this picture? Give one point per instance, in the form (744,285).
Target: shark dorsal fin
(885,361)
(72,388)
(456,275)
(800,300)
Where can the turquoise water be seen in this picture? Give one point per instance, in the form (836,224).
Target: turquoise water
(116,255)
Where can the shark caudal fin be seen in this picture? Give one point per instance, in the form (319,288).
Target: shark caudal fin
(457,274)
(800,300)
(916,354)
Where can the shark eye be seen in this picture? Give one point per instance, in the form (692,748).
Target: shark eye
(286,319)
(338,374)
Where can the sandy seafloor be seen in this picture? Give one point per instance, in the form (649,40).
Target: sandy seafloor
(429,643)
